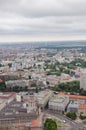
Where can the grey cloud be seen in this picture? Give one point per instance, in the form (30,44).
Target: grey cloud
(42,8)
(42,17)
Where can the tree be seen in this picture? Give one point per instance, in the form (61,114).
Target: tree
(47,82)
(50,125)
(67,71)
(2,86)
(1,65)
(33,85)
(73,86)
(10,65)
(82,117)
(71,115)
(36,89)
(29,76)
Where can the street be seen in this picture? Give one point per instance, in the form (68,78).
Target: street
(73,125)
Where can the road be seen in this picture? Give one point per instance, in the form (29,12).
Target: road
(73,125)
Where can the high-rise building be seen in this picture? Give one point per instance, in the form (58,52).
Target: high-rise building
(83,82)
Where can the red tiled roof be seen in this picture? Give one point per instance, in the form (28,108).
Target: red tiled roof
(7,95)
(20,124)
(34,123)
(82,106)
(26,100)
(66,78)
(79,73)
(73,96)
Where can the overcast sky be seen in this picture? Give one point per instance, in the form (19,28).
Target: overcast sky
(30,20)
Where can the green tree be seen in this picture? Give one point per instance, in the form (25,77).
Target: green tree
(50,125)
(29,76)
(2,86)
(82,117)
(10,65)
(71,115)
(36,89)
(1,65)
(33,85)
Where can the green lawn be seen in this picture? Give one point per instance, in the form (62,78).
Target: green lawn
(58,122)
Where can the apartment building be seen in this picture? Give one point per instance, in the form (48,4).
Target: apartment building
(58,103)
(13,83)
(83,82)
(43,98)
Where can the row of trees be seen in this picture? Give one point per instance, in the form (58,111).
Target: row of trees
(72,87)
(73,116)
(15,88)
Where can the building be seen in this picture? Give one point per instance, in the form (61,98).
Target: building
(7,96)
(58,103)
(29,101)
(83,82)
(13,83)
(82,109)
(80,99)
(22,110)
(43,98)
(77,103)
(52,79)
(33,125)
(73,107)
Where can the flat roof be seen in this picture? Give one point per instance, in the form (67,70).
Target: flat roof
(7,95)
(58,98)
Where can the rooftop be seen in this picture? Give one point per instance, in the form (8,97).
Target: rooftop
(7,95)
(73,96)
(43,95)
(34,123)
(82,106)
(58,99)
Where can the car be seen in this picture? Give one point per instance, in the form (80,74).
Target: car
(64,121)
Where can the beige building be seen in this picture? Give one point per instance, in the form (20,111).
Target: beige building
(43,98)
(13,83)
(82,109)
(58,103)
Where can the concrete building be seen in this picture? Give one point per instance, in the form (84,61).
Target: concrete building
(79,109)
(19,112)
(29,101)
(82,109)
(43,98)
(73,107)
(6,98)
(77,103)
(58,103)
(83,82)
(13,83)
(80,99)
(53,80)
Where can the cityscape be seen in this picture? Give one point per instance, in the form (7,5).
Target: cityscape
(38,83)
(42,64)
